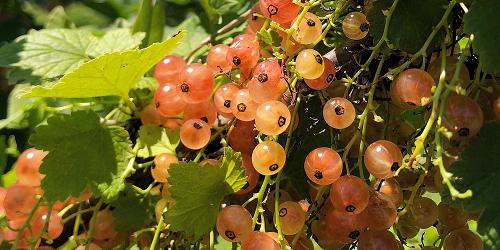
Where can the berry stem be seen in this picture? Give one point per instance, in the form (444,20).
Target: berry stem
(226,28)
(212,241)
(363,118)
(212,138)
(260,197)
(44,228)
(341,5)
(92,223)
(25,224)
(157,233)
(423,51)
(375,49)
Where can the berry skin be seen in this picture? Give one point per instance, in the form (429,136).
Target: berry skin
(169,68)
(391,188)
(376,239)
(104,226)
(254,22)
(292,217)
(345,227)
(323,166)
(243,54)
(162,163)
(339,113)
(309,29)
(268,157)
(27,166)
(268,72)
(204,111)
(196,83)
(195,134)
(258,241)
(251,174)
(168,100)
(267,82)
(423,212)
(451,62)
(271,199)
(349,194)
(234,223)
(463,117)
(272,118)
(216,59)
(243,106)
(54,228)
(325,79)
(19,200)
(451,217)
(380,213)
(383,158)
(265,92)
(223,97)
(310,64)
(242,137)
(281,11)
(149,115)
(462,239)
(410,86)
(355,26)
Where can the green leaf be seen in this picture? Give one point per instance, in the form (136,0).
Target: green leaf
(312,132)
(57,19)
(132,211)
(198,192)
(157,27)
(489,227)
(54,52)
(478,170)
(224,6)
(3,153)
(271,38)
(155,140)
(123,152)
(107,75)
(9,178)
(143,91)
(81,153)
(195,30)
(411,22)
(483,21)
(115,41)
(415,117)
(143,20)
(19,111)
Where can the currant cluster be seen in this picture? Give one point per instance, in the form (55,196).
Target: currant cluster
(31,219)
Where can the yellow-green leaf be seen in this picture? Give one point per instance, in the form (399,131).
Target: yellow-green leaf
(111,74)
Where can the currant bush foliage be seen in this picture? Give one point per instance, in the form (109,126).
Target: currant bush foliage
(100,165)
(197,205)
(478,168)
(111,74)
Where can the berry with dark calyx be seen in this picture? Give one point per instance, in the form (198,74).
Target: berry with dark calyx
(383,158)
(234,223)
(349,194)
(463,117)
(323,166)
(355,26)
(195,134)
(339,113)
